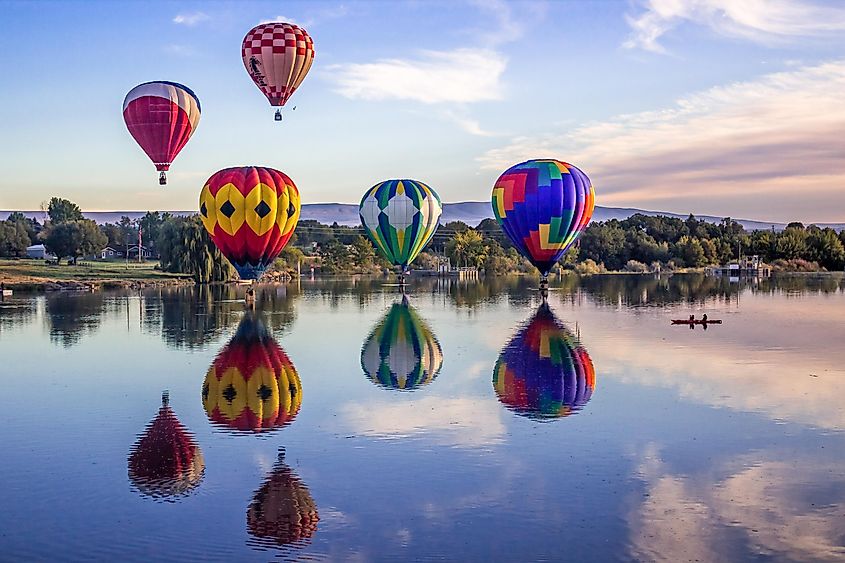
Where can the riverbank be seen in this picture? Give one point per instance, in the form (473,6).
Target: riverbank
(37,275)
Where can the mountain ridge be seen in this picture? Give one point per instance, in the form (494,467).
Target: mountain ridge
(470,212)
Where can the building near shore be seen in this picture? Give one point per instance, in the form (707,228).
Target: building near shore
(38,252)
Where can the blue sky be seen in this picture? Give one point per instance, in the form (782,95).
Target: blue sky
(725,107)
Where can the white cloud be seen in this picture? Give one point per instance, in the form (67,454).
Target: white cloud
(467,124)
(733,143)
(762,21)
(767,502)
(191,18)
(458,76)
(459,422)
(180,50)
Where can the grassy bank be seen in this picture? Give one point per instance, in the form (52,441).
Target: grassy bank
(34,275)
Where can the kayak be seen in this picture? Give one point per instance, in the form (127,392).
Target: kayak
(696,322)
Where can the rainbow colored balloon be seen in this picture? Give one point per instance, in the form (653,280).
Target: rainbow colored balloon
(544,373)
(543,206)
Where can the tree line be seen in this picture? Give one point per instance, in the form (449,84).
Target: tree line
(638,243)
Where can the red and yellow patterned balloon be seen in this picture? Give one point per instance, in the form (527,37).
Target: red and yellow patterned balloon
(250,213)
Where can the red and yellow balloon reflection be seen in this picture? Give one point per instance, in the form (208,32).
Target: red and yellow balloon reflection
(252,384)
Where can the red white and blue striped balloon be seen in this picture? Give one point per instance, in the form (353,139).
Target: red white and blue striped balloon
(161,116)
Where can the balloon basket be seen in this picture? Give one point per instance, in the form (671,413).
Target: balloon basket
(278,116)
(162,179)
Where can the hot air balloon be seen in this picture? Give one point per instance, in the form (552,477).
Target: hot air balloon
(401,351)
(400,217)
(252,385)
(165,462)
(250,213)
(277,57)
(544,373)
(161,117)
(282,511)
(543,206)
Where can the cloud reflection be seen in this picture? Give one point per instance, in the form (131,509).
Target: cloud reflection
(781,507)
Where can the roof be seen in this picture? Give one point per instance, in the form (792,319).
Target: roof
(36,247)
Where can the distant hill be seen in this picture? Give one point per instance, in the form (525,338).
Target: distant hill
(470,212)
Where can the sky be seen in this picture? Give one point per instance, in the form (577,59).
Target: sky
(720,107)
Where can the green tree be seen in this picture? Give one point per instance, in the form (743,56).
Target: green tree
(690,251)
(363,252)
(791,243)
(73,239)
(30,224)
(711,254)
(335,258)
(150,225)
(13,239)
(185,247)
(826,249)
(604,243)
(61,211)
(467,248)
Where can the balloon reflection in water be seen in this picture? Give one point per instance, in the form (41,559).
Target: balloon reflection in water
(544,373)
(401,352)
(165,462)
(252,384)
(282,510)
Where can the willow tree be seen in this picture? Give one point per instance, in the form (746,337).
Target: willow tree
(184,247)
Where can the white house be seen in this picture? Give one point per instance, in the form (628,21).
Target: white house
(38,251)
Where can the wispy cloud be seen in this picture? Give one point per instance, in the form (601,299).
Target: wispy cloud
(459,76)
(462,75)
(313,17)
(180,50)
(778,137)
(762,21)
(191,18)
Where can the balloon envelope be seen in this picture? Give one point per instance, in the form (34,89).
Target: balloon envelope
(252,385)
(250,213)
(161,117)
(282,511)
(277,57)
(400,217)
(401,351)
(543,206)
(165,462)
(544,373)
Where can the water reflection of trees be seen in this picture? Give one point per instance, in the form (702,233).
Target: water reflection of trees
(191,317)
(70,316)
(16,313)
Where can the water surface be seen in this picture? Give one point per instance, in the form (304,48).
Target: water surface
(466,422)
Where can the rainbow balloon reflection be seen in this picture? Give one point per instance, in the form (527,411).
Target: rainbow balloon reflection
(544,373)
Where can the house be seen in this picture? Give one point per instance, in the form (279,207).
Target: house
(38,252)
(146,253)
(110,253)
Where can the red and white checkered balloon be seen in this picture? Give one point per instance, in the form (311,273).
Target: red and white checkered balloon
(277,57)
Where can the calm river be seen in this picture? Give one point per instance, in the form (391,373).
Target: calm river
(466,423)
